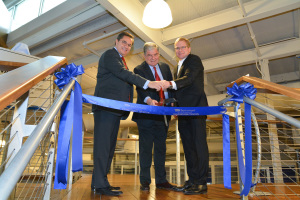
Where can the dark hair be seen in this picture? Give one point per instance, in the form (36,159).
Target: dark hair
(124,33)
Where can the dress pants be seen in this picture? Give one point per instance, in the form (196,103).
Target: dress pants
(193,136)
(105,137)
(152,132)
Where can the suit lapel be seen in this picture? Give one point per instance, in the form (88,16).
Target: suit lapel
(175,74)
(149,74)
(181,69)
(163,71)
(182,66)
(119,58)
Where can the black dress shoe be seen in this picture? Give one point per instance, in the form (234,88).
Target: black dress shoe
(114,188)
(187,184)
(196,189)
(110,187)
(145,186)
(167,186)
(107,191)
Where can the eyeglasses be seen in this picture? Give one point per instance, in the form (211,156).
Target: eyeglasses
(125,43)
(180,48)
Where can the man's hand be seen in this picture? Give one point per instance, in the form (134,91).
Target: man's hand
(155,85)
(151,102)
(165,84)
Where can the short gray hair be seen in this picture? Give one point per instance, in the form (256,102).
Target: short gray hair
(149,46)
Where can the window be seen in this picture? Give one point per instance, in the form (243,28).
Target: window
(49,4)
(27,10)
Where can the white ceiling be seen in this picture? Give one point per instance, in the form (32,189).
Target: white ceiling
(219,31)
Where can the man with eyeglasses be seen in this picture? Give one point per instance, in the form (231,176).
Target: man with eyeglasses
(153,129)
(189,92)
(114,81)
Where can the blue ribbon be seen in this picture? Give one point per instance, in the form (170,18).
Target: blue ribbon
(226,152)
(245,170)
(71,118)
(158,110)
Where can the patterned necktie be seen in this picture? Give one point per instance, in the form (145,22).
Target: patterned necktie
(161,93)
(124,62)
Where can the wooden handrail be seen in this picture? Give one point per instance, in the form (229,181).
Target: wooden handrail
(269,86)
(15,83)
(9,65)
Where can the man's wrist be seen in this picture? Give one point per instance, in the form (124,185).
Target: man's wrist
(171,86)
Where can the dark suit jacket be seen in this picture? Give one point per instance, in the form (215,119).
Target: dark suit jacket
(145,71)
(190,83)
(114,81)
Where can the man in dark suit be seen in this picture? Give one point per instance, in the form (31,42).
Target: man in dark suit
(114,81)
(189,92)
(153,129)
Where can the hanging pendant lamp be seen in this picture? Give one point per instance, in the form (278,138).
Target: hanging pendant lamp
(157,14)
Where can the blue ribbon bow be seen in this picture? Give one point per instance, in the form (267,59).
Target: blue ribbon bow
(239,92)
(66,74)
(71,118)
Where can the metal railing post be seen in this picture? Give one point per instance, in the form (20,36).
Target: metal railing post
(14,171)
(49,174)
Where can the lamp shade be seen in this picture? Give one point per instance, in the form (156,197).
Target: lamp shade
(157,14)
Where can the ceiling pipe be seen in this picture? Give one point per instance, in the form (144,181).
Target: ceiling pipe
(250,29)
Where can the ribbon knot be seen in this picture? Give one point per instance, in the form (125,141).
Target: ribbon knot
(245,163)
(239,92)
(71,71)
(71,119)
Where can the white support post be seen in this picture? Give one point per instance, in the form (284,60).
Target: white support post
(178,162)
(135,158)
(170,174)
(213,173)
(17,128)
(272,129)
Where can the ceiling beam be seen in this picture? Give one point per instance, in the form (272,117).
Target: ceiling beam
(13,56)
(85,29)
(281,79)
(92,60)
(273,51)
(228,18)
(50,29)
(270,52)
(130,13)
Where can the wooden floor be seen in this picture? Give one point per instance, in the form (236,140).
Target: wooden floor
(130,186)
(81,190)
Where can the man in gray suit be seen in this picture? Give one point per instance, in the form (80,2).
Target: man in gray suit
(114,81)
